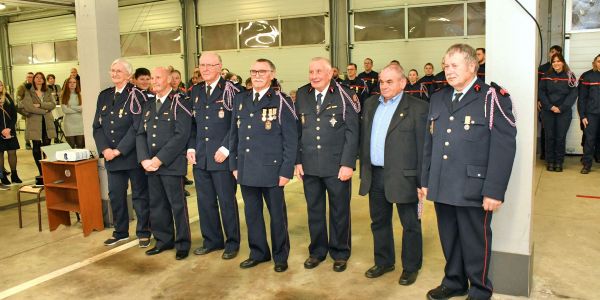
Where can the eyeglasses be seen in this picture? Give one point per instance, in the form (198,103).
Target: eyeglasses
(209,65)
(259,72)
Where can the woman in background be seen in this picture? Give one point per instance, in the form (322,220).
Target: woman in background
(73,120)
(8,137)
(38,104)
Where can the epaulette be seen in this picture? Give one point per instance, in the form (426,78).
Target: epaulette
(499,89)
(307,86)
(107,90)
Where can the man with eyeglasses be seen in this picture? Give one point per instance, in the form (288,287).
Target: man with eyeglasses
(368,75)
(356,84)
(263,142)
(326,161)
(208,152)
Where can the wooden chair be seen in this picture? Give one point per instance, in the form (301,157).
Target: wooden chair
(34,190)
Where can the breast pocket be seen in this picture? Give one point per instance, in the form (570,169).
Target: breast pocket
(476,131)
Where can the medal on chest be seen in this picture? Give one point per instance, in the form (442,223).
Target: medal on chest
(221,113)
(467,122)
(239,122)
(302,119)
(120,113)
(332,121)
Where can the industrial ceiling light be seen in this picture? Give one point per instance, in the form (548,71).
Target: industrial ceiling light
(2,6)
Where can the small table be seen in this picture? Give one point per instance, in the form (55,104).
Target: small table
(35,190)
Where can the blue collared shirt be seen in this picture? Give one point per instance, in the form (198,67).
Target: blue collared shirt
(381,123)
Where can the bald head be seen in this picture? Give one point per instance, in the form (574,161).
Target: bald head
(320,73)
(161,81)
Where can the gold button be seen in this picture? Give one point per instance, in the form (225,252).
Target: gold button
(478,175)
(112,122)
(249,126)
(206,139)
(206,106)
(451,118)
(247,150)
(251,115)
(318,146)
(206,117)
(318,119)
(446,144)
(318,128)
(318,137)
(113,141)
(247,138)
(112,112)
(112,131)
(274,161)
(448,130)
(154,135)
(205,127)
(445,156)
(155,118)
(153,145)
(153,126)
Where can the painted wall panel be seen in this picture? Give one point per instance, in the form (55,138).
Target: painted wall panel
(150,16)
(361,4)
(47,29)
(212,11)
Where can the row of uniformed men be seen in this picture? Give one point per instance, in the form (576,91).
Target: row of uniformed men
(259,139)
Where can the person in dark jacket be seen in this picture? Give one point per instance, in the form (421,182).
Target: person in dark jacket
(588,106)
(415,87)
(8,136)
(427,79)
(557,92)
(541,71)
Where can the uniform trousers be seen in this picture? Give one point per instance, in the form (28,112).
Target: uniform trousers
(168,206)
(339,242)
(591,139)
(556,127)
(117,193)
(381,211)
(216,189)
(257,236)
(466,238)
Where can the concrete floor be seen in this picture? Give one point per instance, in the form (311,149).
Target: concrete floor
(62,264)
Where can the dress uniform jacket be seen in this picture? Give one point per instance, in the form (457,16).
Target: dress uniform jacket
(115,125)
(327,141)
(261,151)
(403,149)
(358,86)
(554,90)
(427,81)
(371,79)
(165,134)
(211,127)
(589,94)
(439,82)
(464,160)
(481,72)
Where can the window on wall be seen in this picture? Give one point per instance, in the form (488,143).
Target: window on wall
(219,37)
(436,21)
(476,18)
(66,50)
(303,31)
(379,25)
(134,44)
(585,15)
(43,53)
(165,41)
(259,34)
(21,55)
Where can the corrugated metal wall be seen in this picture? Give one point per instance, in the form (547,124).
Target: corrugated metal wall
(151,16)
(42,30)
(218,11)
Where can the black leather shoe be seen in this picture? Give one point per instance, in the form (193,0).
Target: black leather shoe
(281,267)
(157,250)
(229,254)
(377,271)
(585,170)
(442,293)
(181,254)
(340,265)
(558,168)
(550,167)
(249,263)
(408,278)
(312,262)
(203,250)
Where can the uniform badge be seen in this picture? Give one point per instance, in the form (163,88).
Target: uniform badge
(221,114)
(104,108)
(467,120)
(196,101)
(333,120)
(239,122)
(264,115)
(355,98)
(268,125)
(477,87)
(302,119)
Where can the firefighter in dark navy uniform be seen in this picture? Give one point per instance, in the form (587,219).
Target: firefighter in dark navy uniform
(481,60)
(356,84)
(541,71)
(208,151)
(427,79)
(439,80)
(161,149)
(589,111)
(467,161)
(326,160)
(369,76)
(557,92)
(117,118)
(263,142)
(415,87)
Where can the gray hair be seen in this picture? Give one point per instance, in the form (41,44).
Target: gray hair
(468,52)
(209,53)
(322,59)
(396,68)
(123,62)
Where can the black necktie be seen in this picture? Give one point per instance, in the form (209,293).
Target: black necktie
(208,87)
(256,98)
(455,100)
(158,104)
(319,101)
(117,94)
